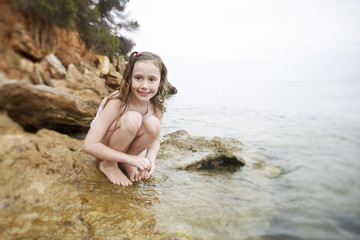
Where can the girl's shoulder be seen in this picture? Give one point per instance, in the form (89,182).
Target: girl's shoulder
(112,96)
(157,111)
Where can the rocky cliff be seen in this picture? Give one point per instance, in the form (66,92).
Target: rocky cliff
(48,79)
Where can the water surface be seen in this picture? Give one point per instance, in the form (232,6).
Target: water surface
(310,129)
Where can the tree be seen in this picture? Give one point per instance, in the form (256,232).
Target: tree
(99,22)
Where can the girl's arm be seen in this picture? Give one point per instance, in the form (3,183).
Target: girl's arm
(93,141)
(153,149)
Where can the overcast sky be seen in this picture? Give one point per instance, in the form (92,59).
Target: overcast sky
(252,39)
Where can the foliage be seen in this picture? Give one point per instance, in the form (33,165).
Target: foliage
(99,22)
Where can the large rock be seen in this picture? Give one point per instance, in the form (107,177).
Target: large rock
(40,106)
(50,189)
(78,81)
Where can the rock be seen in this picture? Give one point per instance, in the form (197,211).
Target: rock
(50,189)
(77,81)
(198,153)
(26,65)
(219,161)
(40,106)
(33,53)
(57,68)
(267,169)
(23,43)
(38,70)
(102,64)
(120,67)
(113,79)
(70,48)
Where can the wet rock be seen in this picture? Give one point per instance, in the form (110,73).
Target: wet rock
(50,189)
(219,162)
(267,169)
(198,153)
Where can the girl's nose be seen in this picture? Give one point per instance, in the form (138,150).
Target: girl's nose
(144,85)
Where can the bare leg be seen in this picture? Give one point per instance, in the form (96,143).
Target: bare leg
(148,132)
(120,140)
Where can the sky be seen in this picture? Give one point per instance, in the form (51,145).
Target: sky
(251,40)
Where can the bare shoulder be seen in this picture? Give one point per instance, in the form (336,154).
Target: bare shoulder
(158,113)
(111,109)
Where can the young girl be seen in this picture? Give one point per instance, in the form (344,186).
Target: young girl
(128,121)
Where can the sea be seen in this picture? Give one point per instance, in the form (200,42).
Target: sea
(310,129)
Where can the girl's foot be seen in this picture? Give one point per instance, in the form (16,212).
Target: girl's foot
(114,174)
(131,172)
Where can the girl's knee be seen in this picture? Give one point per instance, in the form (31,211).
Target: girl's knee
(132,121)
(152,126)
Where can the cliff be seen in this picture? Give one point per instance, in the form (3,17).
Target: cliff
(48,79)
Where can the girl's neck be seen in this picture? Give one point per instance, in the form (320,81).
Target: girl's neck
(136,102)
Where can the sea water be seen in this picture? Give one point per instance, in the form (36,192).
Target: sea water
(311,129)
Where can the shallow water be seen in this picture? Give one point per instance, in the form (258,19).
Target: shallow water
(309,129)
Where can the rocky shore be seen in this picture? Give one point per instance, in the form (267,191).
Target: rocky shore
(50,84)
(51,188)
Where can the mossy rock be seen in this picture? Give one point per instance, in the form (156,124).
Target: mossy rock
(221,162)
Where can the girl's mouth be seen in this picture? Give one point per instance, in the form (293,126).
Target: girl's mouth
(144,94)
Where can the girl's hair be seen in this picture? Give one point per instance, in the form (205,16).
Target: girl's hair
(123,92)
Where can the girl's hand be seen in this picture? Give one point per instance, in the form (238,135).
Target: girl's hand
(141,163)
(151,170)
(147,173)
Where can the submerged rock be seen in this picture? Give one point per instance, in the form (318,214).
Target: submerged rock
(267,169)
(219,161)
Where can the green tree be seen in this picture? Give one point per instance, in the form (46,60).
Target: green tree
(99,22)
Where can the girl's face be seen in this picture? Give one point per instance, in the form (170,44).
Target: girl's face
(145,80)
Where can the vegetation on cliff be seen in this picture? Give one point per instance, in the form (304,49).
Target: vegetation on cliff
(98,22)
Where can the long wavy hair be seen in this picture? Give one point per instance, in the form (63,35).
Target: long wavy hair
(124,90)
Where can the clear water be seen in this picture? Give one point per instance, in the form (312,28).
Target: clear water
(310,129)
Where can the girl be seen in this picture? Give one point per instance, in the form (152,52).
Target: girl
(128,121)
